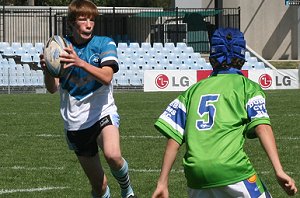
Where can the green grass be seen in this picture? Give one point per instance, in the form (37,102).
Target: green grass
(34,154)
(285,64)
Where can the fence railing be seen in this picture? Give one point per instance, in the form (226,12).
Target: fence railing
(192,26)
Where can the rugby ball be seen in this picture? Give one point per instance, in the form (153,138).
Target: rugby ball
(53,49)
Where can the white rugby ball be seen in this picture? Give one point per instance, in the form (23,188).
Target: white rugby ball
(53,49)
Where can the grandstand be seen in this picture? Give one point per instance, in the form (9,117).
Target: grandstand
(20,70)
(19,67)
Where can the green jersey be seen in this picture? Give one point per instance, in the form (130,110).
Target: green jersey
(212,118)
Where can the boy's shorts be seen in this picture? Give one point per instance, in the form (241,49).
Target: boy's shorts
(84,142)
(248,188)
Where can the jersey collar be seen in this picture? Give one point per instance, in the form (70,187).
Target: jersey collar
(230,70)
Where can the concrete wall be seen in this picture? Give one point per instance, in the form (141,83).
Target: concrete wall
(270,27)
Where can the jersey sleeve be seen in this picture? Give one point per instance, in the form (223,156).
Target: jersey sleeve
(109,55)
(256,110)
(172,121)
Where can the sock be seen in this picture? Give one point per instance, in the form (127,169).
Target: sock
(123,180)
(106,194)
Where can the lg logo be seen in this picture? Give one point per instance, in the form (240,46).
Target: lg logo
(161,81)
(265,81)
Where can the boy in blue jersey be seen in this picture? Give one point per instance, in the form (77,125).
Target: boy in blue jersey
(213,118)
(87,105)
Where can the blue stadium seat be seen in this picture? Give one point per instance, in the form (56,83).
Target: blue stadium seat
(122,45)
(146,46)
(8,52)
(26,58)
(134,45)
(27,46)
(16,45)
(181,45)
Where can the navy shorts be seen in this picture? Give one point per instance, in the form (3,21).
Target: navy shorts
(84,142)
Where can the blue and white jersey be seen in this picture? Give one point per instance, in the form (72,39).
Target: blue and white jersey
(84,100)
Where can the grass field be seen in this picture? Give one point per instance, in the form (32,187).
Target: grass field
(35,160)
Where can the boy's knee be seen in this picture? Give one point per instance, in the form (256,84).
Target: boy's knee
(114,160)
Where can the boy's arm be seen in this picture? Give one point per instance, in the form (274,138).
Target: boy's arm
(103,74)
(51,83)
(267,140)
(168,161)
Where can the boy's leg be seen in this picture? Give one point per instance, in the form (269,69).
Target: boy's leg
(93,170)
(109,141)
(106,194)
(83,143)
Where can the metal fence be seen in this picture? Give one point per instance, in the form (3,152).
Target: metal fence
(192,26)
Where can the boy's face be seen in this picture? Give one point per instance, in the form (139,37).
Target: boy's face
(83,29)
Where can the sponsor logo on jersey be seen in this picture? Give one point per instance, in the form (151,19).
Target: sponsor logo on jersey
(256,107)
(94,59)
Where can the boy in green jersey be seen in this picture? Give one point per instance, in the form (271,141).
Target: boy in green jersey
(213,118)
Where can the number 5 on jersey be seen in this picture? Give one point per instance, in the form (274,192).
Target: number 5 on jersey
(207,111)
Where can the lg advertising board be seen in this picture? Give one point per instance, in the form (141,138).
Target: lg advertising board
(180,80)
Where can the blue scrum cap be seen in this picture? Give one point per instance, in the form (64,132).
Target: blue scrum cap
(226,44)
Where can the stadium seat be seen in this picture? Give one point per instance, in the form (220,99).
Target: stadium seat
(11,61)
(170,47)
(122,45)
(39,47)
(147,67)
(128,52)
(189,50)
(20,70)
(246,66)
(158,47)
(8,52)
(28,80)
(140,52)
(134,79)
(134,46)
(122,80)
(152,52)
(36,58)
(26,69)
(16,45)
(32,51)
(26,58)
(19,51)
(178,50)
(20,80)
(158,67)
(27,46)
(4,45)
(172,66)
(183,66)
(259,65)
(247,55)
(146,46)
(181,45)
(195,55)
(194,66)
(40,77)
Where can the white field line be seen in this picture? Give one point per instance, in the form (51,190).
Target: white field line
(124,136)
(130,170)
(9,191)
(33,168)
